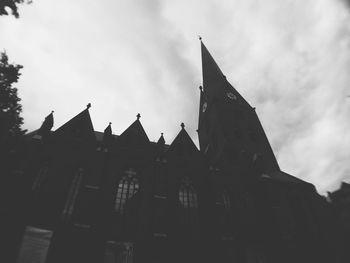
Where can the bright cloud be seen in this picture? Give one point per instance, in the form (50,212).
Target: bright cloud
(290,59)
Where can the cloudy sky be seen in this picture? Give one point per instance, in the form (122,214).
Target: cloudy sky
(289,59)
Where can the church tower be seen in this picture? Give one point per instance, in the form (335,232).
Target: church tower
(230,133)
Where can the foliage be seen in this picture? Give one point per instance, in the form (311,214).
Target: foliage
(12,4)
(10,109)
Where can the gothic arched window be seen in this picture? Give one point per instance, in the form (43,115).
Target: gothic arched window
(188,200)
(127,188)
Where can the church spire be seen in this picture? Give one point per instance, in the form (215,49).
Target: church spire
(228,126)
(212,74)
(215,85)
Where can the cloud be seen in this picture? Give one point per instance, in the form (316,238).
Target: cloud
(290,59)
(347,2)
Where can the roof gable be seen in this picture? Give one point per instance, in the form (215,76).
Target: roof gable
(79,127)
(134,135)
(182,144)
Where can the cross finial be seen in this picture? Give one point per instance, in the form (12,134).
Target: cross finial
(52,111)
(138,116)
(200,88)
(161,134)
(182,125)
(88,106)
(200,38)
(110,123)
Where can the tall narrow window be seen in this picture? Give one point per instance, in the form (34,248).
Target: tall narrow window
(40,177)
(119,252)
(128,186)
(188,200)
(72,195)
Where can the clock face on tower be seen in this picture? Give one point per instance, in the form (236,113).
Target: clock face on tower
(231,96)
(204,107)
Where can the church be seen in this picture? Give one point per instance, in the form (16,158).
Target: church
(78,195)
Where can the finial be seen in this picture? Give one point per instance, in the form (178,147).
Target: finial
(201,88)
(138,116)
(182,125)
(88,106)
(200,38)
(161,134)
(110,123)
(52,111)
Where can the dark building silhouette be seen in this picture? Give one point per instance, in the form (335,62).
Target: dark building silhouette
(340,201)
(77,195)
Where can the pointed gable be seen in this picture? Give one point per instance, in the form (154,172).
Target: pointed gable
(182,144)
(134,135)
(80,128)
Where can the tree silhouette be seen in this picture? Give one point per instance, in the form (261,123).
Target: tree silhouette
(11,4)
(10,109)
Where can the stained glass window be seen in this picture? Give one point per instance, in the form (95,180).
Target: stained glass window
(128,186)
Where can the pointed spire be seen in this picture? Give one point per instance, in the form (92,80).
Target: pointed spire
(47,125)
(224,102)
(212,74)
(161,140)
(108,129)
(107,135)
(215,84)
